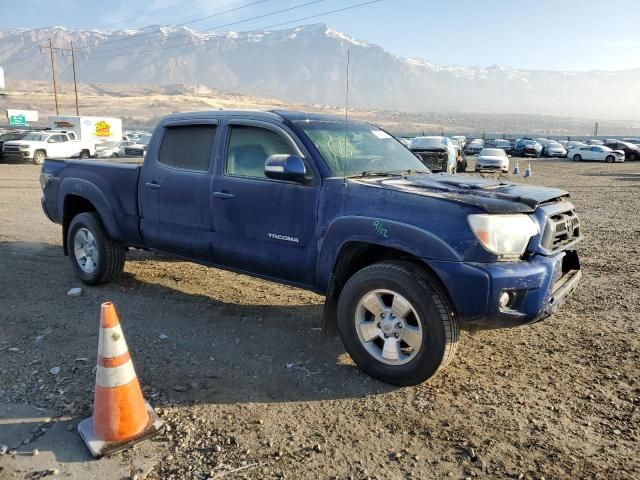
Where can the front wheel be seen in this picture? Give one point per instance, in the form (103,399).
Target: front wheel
(94,256)
(38,157)
(84,154)
(396,323)
(610,159)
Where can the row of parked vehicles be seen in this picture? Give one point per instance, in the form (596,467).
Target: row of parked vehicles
(611,150)
(73,137)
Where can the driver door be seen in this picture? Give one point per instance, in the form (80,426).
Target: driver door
(263,226)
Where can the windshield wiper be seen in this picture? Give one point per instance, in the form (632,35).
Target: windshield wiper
(373,173)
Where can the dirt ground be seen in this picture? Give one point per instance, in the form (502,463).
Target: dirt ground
(249,387)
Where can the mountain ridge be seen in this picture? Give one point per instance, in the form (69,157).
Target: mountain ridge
(307,64)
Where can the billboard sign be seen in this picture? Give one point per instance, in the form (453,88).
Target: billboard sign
(29,115)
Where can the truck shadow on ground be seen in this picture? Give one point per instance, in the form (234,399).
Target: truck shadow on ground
(188,348)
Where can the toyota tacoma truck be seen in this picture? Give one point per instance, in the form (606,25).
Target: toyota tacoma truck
(404,257)
(36,146)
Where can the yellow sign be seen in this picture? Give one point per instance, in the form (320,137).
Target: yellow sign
(103,129)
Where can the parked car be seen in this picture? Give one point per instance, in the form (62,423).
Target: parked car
(460,140)
(36,146)
(475,146)
(437,153)
(631,151)
(570,145)
(404,257)
(503,145)
(527,147)
(112,149)
(594,141)
(492,159)
(554,149)
(598,153)
(8,136)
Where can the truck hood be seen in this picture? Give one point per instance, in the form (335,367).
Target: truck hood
(21,142)
(492,196)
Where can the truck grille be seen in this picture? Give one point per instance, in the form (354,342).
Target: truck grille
(11,149)
(561,229)
(134,151)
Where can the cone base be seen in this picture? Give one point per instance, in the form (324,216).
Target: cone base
(101,448)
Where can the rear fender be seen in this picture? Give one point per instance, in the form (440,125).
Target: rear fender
(90,192)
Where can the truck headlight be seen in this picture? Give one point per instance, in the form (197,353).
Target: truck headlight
(23,147)
(505,235)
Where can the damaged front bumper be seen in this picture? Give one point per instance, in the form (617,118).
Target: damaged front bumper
(508,294)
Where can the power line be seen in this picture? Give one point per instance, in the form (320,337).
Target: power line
(362,4)
(330,12)
(198,19)
(288,9)
(148,14)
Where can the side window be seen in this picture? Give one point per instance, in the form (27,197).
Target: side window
(187,146)
(249,148)
(62,138)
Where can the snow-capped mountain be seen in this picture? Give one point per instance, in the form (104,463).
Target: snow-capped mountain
(308,64)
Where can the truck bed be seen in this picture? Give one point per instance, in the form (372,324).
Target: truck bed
(112,187)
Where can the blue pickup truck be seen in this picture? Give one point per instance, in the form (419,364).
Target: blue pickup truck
(404,257)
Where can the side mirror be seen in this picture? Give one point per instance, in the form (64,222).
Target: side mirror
(285,167)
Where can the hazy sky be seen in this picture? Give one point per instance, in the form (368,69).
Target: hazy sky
(535,34)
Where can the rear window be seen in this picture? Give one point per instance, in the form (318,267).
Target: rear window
(187,146)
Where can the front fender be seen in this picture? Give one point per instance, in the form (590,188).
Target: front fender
(90,192)
(407,238)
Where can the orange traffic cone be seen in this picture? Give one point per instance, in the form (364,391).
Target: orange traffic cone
(121,417)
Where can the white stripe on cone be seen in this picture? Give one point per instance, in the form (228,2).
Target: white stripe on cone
(109,377)
(111,342)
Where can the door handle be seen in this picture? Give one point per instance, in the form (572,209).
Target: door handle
(223,195)
(153,185)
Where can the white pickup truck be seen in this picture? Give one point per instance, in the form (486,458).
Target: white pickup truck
(37,146)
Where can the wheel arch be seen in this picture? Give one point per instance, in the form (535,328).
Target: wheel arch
(79,196)
(356,255)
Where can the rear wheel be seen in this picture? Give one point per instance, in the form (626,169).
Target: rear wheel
(84,154)
(94,256)
(577,158)
(38,157)
(396,323)
(610,159)
(114,155)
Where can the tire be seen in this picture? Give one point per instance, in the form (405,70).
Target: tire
(431,322)
(38,157)
(577,158)
(114,155)
(632,157)
(109,261)
(461,167)
(610,159)
(84,154)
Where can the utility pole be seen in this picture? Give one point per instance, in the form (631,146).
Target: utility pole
(73,51)
(595,130)
(75,84)
(53,74)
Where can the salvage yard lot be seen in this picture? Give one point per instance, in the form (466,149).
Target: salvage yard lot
(241,372)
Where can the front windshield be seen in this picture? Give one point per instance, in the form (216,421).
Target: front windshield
(492,152)
(367,149)
(36,137)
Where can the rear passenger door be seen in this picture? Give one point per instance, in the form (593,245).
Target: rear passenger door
(263,226)
(175,190)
